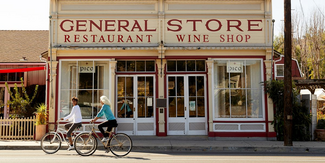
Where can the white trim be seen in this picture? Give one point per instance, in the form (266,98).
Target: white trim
(239,130)
(275,70)
(262,91)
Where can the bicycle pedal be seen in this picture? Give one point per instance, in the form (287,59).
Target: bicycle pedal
(107,151)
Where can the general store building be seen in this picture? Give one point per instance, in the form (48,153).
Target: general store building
(206,59)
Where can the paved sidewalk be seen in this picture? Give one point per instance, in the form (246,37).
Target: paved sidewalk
(203,144)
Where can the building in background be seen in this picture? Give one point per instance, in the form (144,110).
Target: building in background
(206,59)
(20,58)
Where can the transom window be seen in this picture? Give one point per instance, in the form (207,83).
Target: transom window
(185,65)
(238,89)
(135,66)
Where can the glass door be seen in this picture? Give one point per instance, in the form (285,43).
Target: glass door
(135,105)
(186,105)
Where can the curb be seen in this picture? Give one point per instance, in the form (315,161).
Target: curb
(196,149)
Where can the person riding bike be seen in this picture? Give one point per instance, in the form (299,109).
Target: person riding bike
(76,118)
(111,121)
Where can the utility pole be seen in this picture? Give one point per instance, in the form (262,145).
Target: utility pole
(287,74)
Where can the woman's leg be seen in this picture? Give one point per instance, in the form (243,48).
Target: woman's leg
(100,127)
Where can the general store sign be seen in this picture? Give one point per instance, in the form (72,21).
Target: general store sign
(173,31)
(234,67)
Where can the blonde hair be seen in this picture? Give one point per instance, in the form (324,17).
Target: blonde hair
(105,100)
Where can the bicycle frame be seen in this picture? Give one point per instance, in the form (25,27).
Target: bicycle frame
(93,132)
(61,132)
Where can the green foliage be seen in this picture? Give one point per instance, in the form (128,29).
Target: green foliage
(41,114)
(20,102)
(301,115)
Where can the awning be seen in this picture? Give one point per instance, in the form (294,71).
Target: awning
(22,69)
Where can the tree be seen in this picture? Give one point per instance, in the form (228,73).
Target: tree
(20,103)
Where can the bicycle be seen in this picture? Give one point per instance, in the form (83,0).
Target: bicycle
(119,144)
(51,141)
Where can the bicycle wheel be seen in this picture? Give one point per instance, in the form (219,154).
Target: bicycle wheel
(51,143)
(120,144)
(85,144)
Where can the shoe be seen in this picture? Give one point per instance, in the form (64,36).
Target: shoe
(105,139)
(70,148)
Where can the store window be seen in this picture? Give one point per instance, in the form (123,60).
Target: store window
(238,89)
(185,65)
(279,70)
(135,66)
(11,76)
(87,80)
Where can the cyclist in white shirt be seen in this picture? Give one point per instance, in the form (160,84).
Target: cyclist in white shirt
(75,118)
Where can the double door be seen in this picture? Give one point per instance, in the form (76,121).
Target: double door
(186,105)
(135,104)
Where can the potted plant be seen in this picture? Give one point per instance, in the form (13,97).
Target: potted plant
(320,131)
(41,119)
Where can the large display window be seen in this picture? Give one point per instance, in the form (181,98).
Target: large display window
(87,80)
(238,89)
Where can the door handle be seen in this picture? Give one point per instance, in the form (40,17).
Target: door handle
(185,108)
(134,109)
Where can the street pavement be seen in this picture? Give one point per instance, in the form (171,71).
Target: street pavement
(192,144)
(38,156)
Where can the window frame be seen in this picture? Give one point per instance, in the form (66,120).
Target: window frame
(186,71)
(77,82)
(135,66)
(276,70)
(214,111)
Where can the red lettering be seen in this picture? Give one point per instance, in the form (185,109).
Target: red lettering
(146,27)
(236,26)
(108,38)
(129,39)
(222,38)
(136,25)
(78,22)
(239,38)
(170,24)
(123,26)
(94,36)
(213,30)
(247,37)
(180,38)
(189,38)
(138,38)
(120,38)
(92,23)
(230,38)
(85,38)
(66,38)
(250,25)
(148,37)
(76,38)
(197,38)
(205,38)
(101,38)
(107,25)
(194,23)
(64,30)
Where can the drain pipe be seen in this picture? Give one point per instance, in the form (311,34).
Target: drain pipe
(46,69)
(272,67)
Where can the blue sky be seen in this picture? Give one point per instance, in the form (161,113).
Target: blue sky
(33,14)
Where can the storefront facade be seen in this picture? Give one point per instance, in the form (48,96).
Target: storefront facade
(169,67)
